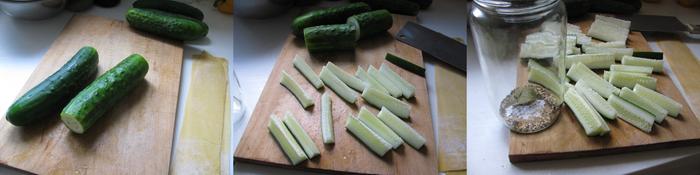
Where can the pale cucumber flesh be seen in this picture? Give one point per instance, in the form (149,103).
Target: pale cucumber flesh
(585,114)
(345,92)
(327,119)
(306,70)
(632,69)
(393,89)
(285,139)
(617,52)
(657,111)
(545,77)
(378,99)
(630,80)
(296,90)
(406,87)
(632,114)
(344,76)
(598,102)
(672,106)
(405,131)
(592,61)
(302,137)
(581,72)
(369,81)
(607,31)
(657,65)
(378,127)
(375,143)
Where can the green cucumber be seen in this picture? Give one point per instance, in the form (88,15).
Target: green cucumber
(406,87)
(606,74)
(371,139)
(672,106)
(580,72)
(607,31)
(372,23)
(333,15)
(629,80)
(302,137)
(285,139)
(104,93)
(53,93)
(618,52)
(650,55)
(166,24)
(402,129)
(544,77)
(593,61)
(334,37)
(403,7)
(405,64)
(379,99)
(657,111)
(587,116)
(348,79)
(597,101)
(170,6)
(631,113)
(633,69)
(611,44)
(296,90)
(394,89)
(369,81)
(308,73)
(340,88)
(538,50)
(657,65)
(327,119)
(373,123)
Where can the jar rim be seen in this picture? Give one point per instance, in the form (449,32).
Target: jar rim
(516,7)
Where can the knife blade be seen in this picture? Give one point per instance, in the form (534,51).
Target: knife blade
(655,23)
(435,44)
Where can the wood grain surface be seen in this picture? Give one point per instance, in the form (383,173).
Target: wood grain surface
(685,66)
(348,154)
(566,138)
(134,137)
(451,90)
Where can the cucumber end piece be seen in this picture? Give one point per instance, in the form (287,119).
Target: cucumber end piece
(72,123)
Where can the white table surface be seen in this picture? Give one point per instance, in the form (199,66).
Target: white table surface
(487,137)
(23,43)
(259,43)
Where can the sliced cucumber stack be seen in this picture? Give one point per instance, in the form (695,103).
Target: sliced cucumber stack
(632,114)
(378,127)
(408,134)
(369,81)
(633,69)
(593,61)
(630,80)
(375,142)
(597,101)
(543,76)
(673,107)
(618,52)
(657,111)
(394,89)
(296,90)
(304,140)
(379,99)
(285,139)
(587,116)
(348,79)
(657,65)
(406,87)
(332,81)
(580,72)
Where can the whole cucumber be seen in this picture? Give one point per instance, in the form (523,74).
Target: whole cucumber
(49,96)
(333,15)
(166,24)
(335,37)
(104,93)
(372,23)
(170,6)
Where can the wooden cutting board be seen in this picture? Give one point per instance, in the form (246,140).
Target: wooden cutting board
(348,154)
(566,138)
(134,137)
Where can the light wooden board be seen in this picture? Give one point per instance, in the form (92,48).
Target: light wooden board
(348,154)
(132,138)
(566,138)
(685,67)
(451,89)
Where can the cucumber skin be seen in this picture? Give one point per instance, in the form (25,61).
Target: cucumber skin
(372,23)
(405,64)
(166,24)
(327,38)
(333,15)
(171,6)
(54,92)
(106,91)
(402,7)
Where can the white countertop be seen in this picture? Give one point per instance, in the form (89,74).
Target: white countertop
(487,137)
(259,43)
(23,44)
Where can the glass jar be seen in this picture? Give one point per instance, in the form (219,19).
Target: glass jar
(511,32)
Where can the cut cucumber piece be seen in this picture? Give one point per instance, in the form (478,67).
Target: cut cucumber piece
(612,44)
(656,65)
(633,69)
(657,111)
(285,139)
(296,90)
(597,101)
(380,128)
(606,74)
(379,99)
(615,21)
(408,134)
(348,79)
(306,70)
(618,52)
(593,61)
(345,92)
(650,55)
(369,81)
(607,31)
(580,72)
(538,50)
(544,77)
(673,107)
(405,64)
(632,114)
(367,136)
(629,80)
(327,119)
(394,90)
(302,137)
(587,116)
(406,87)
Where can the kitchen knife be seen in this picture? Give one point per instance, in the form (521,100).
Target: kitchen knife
(654,23)
(435,44)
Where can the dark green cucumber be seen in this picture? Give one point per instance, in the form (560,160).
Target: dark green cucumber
(403,7)
(333,15)
(651,55)
(405,64)
(335,37)
(104,93)
(166,24)
(48,97)
(170,6)
(372,23)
